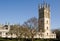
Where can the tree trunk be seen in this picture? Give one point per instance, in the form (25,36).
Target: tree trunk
(32,38)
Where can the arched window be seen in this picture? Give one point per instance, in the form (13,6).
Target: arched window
(6,28)
(6,33)
(41,21)
(47,28)
(47,34)
(47,21)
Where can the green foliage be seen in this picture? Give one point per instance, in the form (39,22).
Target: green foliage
(23,39)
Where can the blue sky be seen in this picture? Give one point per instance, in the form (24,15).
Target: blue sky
(19,11)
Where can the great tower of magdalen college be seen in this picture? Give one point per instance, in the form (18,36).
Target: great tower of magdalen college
(44,22)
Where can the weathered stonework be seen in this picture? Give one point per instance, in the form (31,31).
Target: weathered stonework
(44,22)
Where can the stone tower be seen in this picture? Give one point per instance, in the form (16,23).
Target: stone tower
(44,18)
(44,21)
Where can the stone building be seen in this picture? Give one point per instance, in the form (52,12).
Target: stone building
(44,30)
(4,31)
(44,22)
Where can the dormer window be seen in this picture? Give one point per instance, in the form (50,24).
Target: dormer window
(6,26)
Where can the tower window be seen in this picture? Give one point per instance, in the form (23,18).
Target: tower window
(41,22)
(47,34)
(47,22)
(47,28)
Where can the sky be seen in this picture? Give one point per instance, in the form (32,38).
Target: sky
(19,11)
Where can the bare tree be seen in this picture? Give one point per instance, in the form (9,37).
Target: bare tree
(17,30)
(32,24)
(57,31)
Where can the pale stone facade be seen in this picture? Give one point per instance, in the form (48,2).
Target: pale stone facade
(4,29)
(44,22)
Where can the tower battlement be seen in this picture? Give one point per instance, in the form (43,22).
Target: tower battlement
(44,5)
